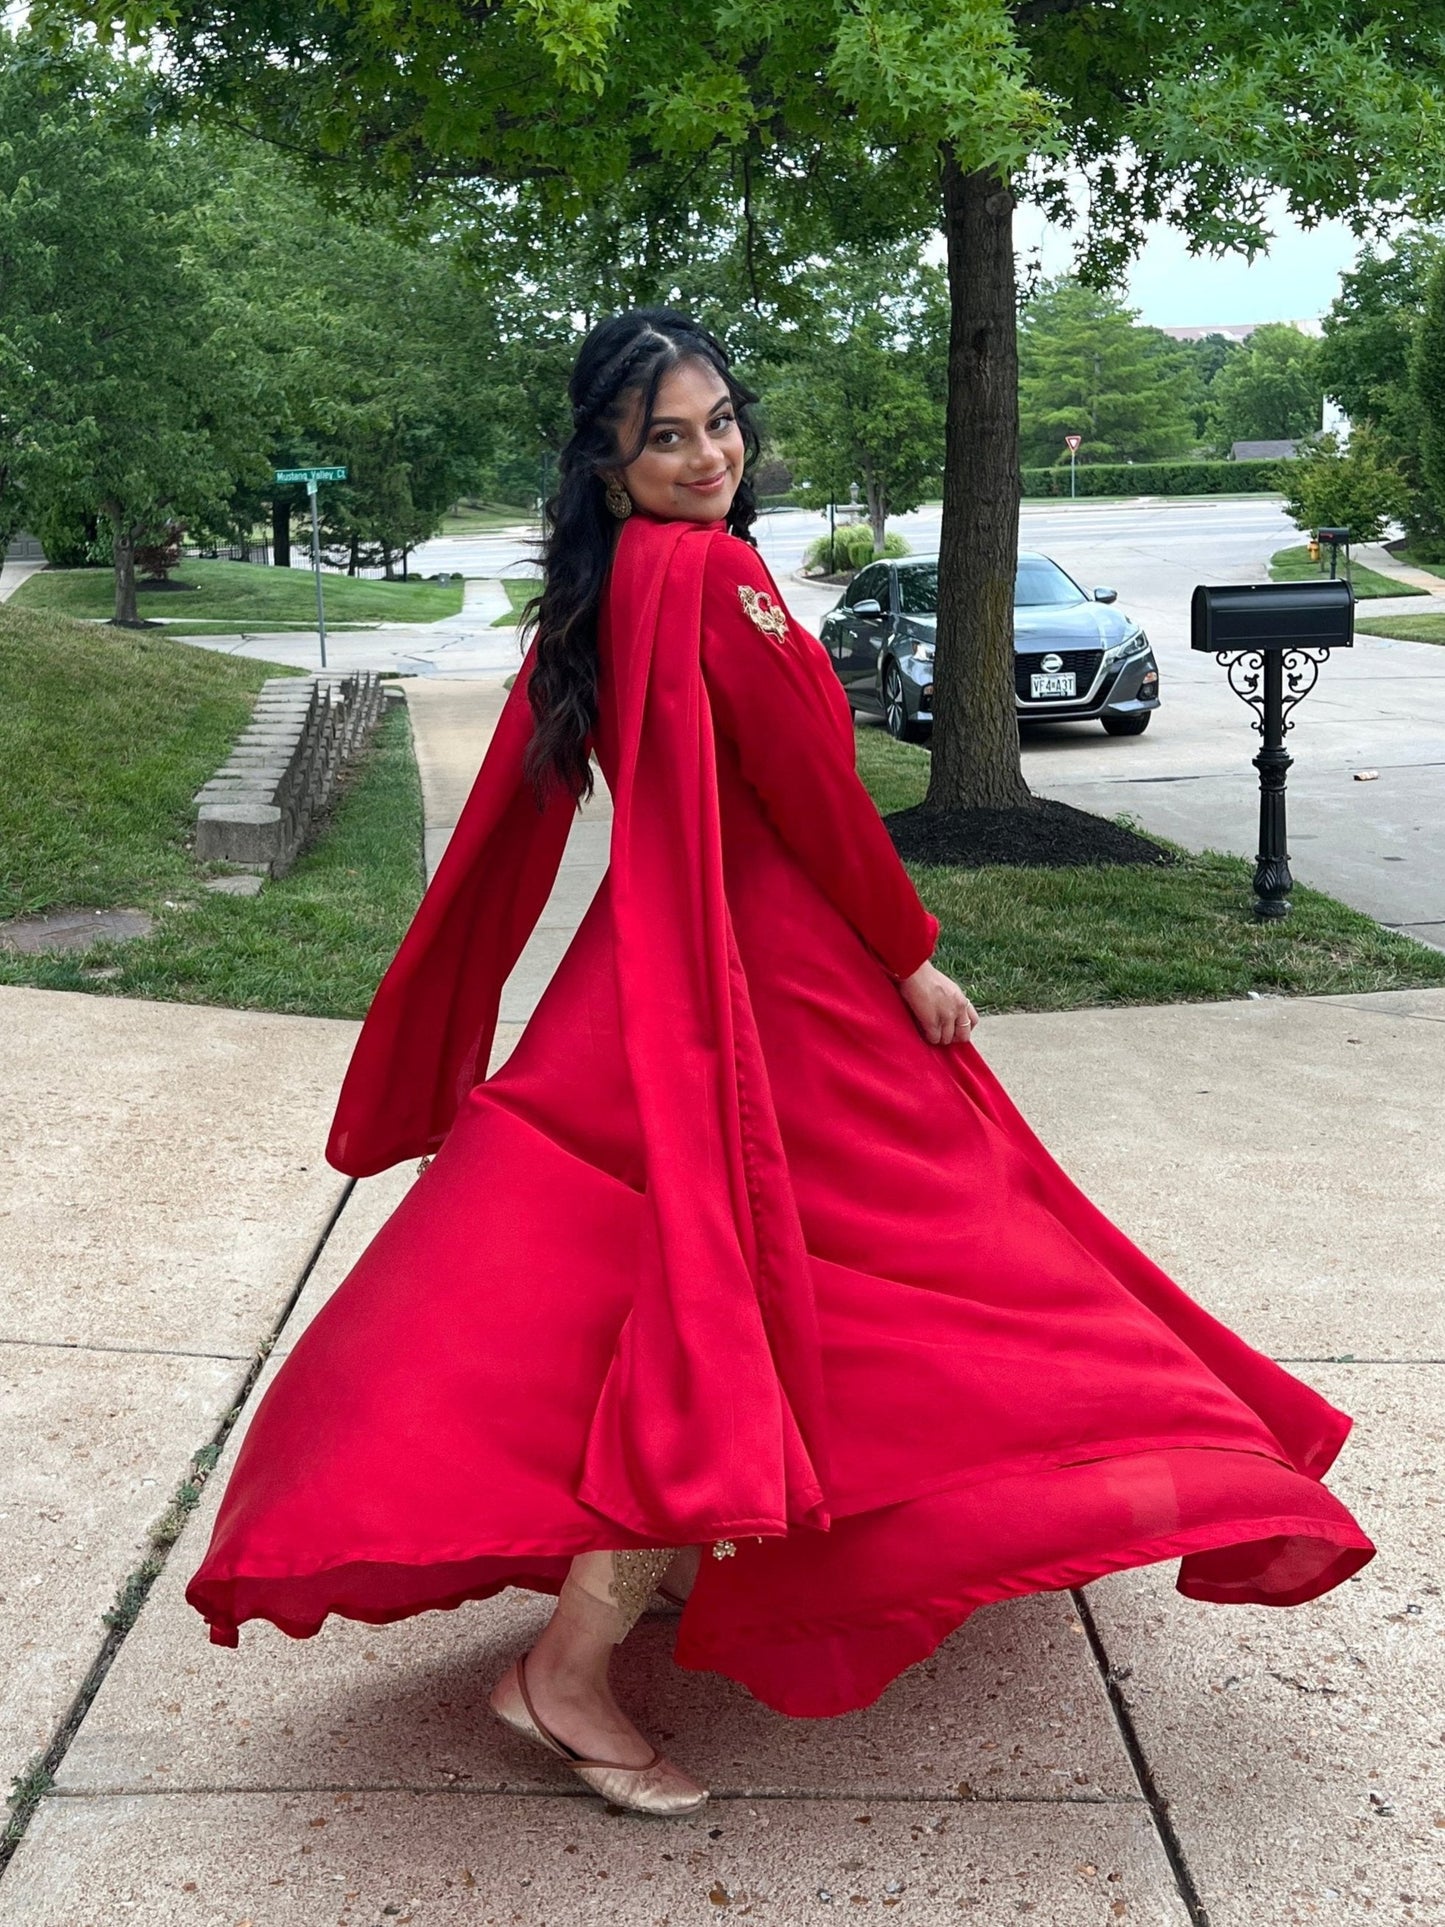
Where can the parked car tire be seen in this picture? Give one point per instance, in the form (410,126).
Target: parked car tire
(1127,725)
(895,709)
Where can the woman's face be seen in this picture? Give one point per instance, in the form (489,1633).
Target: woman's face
(692,461)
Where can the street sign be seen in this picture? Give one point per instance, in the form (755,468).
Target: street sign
(310,475)
(1072,442)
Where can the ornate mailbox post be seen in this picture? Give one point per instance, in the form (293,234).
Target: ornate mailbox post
(1272,639)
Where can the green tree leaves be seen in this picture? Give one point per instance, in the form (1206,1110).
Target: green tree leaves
(1087,367)
(859,397)
(1270,391)
(1357,489)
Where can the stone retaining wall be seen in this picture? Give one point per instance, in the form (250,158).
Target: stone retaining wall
(281,773)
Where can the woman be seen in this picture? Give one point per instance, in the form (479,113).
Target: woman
(741,1276)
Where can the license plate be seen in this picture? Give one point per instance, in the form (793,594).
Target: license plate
(1053,686)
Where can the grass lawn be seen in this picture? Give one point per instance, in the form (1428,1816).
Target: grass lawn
(486,518)
(1294,565)
(1060,939)
(520,590)
(105,735)
(1405,628)
(1418,562)
(235,596)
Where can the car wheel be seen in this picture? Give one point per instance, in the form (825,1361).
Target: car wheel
(895,708)
(1127,725)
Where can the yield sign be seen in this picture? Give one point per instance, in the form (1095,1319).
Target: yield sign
(1072,442)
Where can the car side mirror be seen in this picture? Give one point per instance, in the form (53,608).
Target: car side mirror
(1106,595)
(868,608)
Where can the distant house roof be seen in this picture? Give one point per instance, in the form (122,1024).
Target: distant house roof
(1262,451)
(1240,330)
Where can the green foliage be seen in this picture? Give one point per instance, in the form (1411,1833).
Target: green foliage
(1427,381)
(1203,359)
(1270,391)
(857,392)
(71,540)
(117,396)
(1156,478)
(1087,367)
(849,548)
(1190,114)
(1356,489)
(1365,365)
(372,353)
(1369,335)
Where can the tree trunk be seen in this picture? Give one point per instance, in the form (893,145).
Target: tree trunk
(975,762)
(353,561)
(877,509)
(280,533)
(122,545)
(388,568)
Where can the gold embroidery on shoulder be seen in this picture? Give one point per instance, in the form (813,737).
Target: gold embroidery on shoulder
(761,609)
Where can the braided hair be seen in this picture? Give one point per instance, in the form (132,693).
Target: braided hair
(628,354)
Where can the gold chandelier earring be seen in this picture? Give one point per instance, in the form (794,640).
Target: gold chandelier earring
(617,499)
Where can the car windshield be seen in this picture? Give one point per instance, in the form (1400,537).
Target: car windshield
(1040,582)
(918,591)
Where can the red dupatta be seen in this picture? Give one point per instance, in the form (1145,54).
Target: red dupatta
(710,1422)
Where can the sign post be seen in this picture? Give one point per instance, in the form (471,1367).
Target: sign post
(1072,443)
(311,476)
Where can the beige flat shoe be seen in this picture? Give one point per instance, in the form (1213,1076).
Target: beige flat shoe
(658,1787)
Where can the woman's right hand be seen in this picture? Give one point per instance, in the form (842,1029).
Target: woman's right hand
(940,1009)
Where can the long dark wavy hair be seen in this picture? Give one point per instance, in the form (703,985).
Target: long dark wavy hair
(630,353)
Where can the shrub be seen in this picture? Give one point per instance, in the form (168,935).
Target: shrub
(156,557)
(1156,478)
(72,541)
(1356,489)
(849,548)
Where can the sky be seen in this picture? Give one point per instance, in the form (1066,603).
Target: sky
(1296,281)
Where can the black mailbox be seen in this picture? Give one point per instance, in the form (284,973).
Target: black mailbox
(1272,639)
(1273,615)
(1333,536)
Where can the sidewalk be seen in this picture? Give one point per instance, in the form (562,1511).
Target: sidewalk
(163,1199)
(466,644)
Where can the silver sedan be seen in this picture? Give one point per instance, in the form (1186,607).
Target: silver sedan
(1077,658)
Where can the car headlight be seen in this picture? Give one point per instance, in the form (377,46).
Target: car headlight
(1132,645)
(923,651)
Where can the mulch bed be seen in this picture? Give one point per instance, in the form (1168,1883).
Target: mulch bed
(1044,835)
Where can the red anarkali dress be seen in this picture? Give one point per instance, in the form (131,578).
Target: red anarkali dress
(726,1253)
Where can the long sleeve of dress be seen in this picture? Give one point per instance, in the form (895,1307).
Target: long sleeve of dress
(776,698)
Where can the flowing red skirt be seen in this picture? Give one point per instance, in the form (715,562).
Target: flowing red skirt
(1019,1400)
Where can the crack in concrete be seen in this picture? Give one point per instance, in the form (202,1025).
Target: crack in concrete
(1169,1841)
(931,1797)
(129,1351)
